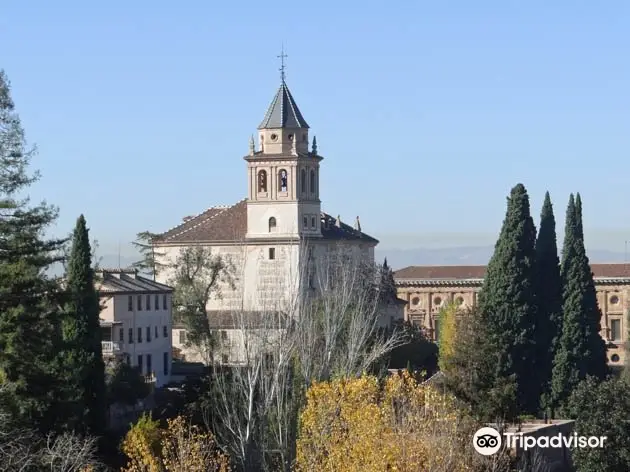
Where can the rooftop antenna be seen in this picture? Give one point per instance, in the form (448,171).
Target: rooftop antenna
(282,56)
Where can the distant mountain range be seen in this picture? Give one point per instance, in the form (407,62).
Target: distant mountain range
(399,258)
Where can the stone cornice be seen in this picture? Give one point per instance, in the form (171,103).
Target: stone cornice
(479,282)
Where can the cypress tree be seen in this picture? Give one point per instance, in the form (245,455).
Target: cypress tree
(581,350)
(549,324)
(387,286)
(82,337)
(29,300)
(507,301)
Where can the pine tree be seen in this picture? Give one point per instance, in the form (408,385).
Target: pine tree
(150,262)
(29,300)
(581,350)
(549,324)
(508,303)
(82,337)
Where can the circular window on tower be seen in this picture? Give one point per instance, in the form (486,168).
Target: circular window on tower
(437,301)
(274,137)
(415,301)
(614,300)
(614,358)
(459,301)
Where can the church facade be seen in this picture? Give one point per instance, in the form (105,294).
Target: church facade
(426,289)
(277,237)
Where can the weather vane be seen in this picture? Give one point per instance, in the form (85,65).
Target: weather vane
(282,66)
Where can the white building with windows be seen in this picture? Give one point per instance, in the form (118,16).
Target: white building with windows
(278,237)
(136,322)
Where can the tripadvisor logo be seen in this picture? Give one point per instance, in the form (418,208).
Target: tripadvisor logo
(488,441)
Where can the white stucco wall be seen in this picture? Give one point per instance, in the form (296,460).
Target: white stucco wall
(116,308)
(261,283)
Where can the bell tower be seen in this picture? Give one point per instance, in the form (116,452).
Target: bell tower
(283,174)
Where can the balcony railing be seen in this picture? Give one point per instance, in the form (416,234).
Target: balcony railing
(110,347)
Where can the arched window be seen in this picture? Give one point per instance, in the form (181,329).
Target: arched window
(303,181)
(262,181)
(272,224)
(283,180)
(312,181)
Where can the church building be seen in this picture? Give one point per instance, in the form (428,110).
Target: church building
(279,229)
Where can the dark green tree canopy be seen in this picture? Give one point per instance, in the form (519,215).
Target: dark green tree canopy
(549,324)
(83,357)
(29,301)
(508,299)
(581,351)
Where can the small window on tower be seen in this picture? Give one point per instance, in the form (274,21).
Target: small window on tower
(313,222)
(283,181)
(312,181)
(303,181)
(262,181)
(272,253)
(305,222)
(272,224)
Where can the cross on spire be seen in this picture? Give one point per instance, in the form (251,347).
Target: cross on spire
(282,56)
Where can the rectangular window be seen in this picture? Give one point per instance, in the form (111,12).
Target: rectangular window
(140,366)
(157,302)
(436,330)
(165,362)
(148,302)
(149,364)
(313,225)
(615,330)
(165,331)
(305,222)
(224,335)
(164,301)
(156,332)
(139,335)
(224,359)
(139,302)
(272,253)
(182,337)
(121,335)
(148,334)
(130,335)
(130,303)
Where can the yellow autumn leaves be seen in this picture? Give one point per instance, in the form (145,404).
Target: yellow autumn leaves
(180,447)
(361,425)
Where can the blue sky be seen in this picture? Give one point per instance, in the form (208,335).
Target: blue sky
(427,113)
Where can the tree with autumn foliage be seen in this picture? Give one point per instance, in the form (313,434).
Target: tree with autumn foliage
(360,424)
(447,335)
(181,447)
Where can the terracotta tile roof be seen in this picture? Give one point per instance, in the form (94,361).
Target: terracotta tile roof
(229,224)
(216,224)
(600,271)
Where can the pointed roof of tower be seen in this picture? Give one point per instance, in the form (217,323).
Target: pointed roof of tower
(283,111)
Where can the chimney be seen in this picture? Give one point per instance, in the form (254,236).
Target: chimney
(338,222)
(357,225)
